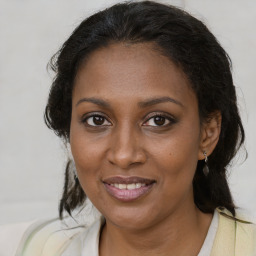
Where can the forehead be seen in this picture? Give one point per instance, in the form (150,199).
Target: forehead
(131,71)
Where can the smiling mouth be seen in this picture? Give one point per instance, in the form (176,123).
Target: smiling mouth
(128,188)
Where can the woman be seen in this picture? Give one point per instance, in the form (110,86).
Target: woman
(144,96)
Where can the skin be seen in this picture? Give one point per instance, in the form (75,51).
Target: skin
(129,142)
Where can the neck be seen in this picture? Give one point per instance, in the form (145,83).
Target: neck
(167,237)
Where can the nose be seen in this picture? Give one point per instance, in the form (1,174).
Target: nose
(126,148)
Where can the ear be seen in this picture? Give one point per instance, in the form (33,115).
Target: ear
(210,132)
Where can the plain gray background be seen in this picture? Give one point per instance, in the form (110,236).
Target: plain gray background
(32,158)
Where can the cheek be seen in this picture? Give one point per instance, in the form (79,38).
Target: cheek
(87,153)
(180,147)
(176,157)
(87,164)
(85,147)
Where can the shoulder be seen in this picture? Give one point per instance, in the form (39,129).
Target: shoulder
(234,235)
(10,237)
(37,237)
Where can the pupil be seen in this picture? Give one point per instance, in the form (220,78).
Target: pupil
(98,120)
(159,120)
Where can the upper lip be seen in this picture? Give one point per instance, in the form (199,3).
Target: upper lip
(127,180)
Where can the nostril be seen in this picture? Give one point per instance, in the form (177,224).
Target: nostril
(126,154)
(124,160)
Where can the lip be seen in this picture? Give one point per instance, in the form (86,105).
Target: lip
(127,195)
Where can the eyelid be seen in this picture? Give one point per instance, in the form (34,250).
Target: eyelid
(148,117)
(162,114)
(91,114)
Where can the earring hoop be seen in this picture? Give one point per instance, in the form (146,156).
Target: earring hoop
(205,168)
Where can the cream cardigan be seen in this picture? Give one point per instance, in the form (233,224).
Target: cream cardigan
(233,238)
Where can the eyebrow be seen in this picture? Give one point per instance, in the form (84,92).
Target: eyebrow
(96,101)
(155,101)
(143,104)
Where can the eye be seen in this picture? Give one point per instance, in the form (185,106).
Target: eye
(159,120)
(96,120)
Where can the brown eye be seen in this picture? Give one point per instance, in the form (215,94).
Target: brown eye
(159,120)
(97,120)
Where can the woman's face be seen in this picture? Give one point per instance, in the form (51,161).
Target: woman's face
(135,135)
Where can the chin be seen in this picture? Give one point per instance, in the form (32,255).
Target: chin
(132,218)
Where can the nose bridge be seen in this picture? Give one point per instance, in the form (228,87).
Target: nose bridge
(125,146)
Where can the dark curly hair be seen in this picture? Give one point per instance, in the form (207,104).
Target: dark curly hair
(191,46)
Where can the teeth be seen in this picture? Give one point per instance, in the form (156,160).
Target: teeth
(138,185)
(128,186)
(131,186)
(122,186)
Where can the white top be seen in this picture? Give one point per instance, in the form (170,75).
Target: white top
(88,242)
(208,242)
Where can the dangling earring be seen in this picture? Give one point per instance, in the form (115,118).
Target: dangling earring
(206,168)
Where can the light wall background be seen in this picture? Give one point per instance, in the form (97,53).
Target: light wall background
(32,158)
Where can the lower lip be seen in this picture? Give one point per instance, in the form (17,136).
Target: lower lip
(127,195)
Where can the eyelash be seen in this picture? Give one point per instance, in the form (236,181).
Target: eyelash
(93,115)
(171,120)
(166,117)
